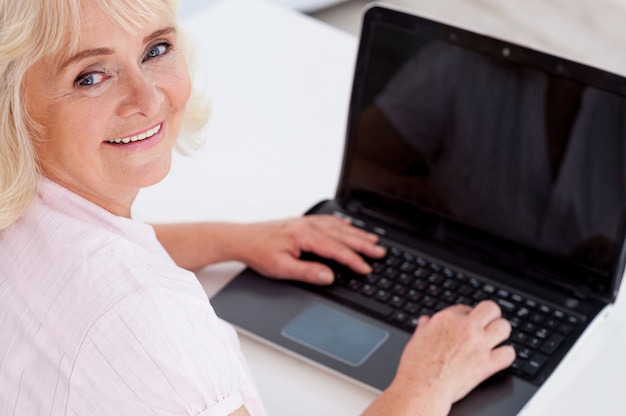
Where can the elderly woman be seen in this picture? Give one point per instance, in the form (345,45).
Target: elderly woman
(98,314)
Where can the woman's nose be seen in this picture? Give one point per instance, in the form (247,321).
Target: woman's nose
(140,95)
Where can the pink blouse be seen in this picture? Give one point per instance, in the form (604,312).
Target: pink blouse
(96,319)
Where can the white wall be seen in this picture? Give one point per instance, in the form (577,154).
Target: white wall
(188,7)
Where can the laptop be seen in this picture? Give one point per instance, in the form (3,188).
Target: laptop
(489,171)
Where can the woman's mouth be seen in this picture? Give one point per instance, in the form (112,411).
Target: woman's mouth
(139,137)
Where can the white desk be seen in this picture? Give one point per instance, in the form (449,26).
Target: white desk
(280,84)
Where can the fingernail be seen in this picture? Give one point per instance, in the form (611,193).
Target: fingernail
(372,236)
(381,250)
(325,277)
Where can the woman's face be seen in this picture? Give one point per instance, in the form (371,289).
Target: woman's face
(112,111)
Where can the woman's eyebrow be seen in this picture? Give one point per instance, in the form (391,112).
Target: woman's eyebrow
(88,53)
(160,32)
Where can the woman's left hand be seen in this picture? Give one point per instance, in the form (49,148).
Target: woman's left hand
(274,248)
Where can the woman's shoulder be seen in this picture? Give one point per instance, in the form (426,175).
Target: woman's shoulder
(66,271)
(104,306)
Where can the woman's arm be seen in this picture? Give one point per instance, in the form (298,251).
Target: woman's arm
(272,248)
(195,245)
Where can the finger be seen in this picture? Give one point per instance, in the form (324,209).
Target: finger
(306,271)
(497,331)
(501,358)
(357,238)
(324,246)
(423,320)
(459,309)
(367,247)
(486,311)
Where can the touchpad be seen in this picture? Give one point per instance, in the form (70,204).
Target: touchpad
(336,334)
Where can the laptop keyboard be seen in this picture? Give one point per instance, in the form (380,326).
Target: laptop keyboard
(404,286)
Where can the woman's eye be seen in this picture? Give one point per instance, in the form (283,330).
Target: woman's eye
(90,79)
(157,50)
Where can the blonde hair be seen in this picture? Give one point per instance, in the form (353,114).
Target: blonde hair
(29,31)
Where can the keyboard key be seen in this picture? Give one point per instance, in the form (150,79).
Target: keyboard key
(396,301)
(550,323)
(434,290)
(552,344)
(572,320)
(565,329)
(411,308)
(474,283)
(537,318)
(462,300)
(529,327)
(378,267)
(359,300)
(524,352)
(429,302)
(407,267)
(448,296)
(391,273)
(382,295)
(422,272)
(506,306)
(480,295)
(535,364)
(411,324)
(413,295)
(465,290)
(544,309)
(399,317)
(354,284)
(384,283)
(517,298)
(436,278)
(542,333)
(533,343)
(405,279)
(451,284)
(399,290)
(372,278)
(420,285)
(518,364)
(519,337)
(368,290)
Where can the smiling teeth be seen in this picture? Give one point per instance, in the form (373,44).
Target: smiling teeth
(141,136)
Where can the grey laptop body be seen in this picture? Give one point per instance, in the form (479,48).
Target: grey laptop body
(489,170)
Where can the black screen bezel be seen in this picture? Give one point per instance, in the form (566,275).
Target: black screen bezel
(602,284)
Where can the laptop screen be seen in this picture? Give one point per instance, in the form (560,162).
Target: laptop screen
(483,144)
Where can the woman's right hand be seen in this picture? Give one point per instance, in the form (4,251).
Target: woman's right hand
(448,355)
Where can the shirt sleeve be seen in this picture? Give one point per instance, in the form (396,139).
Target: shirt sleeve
(158,352)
